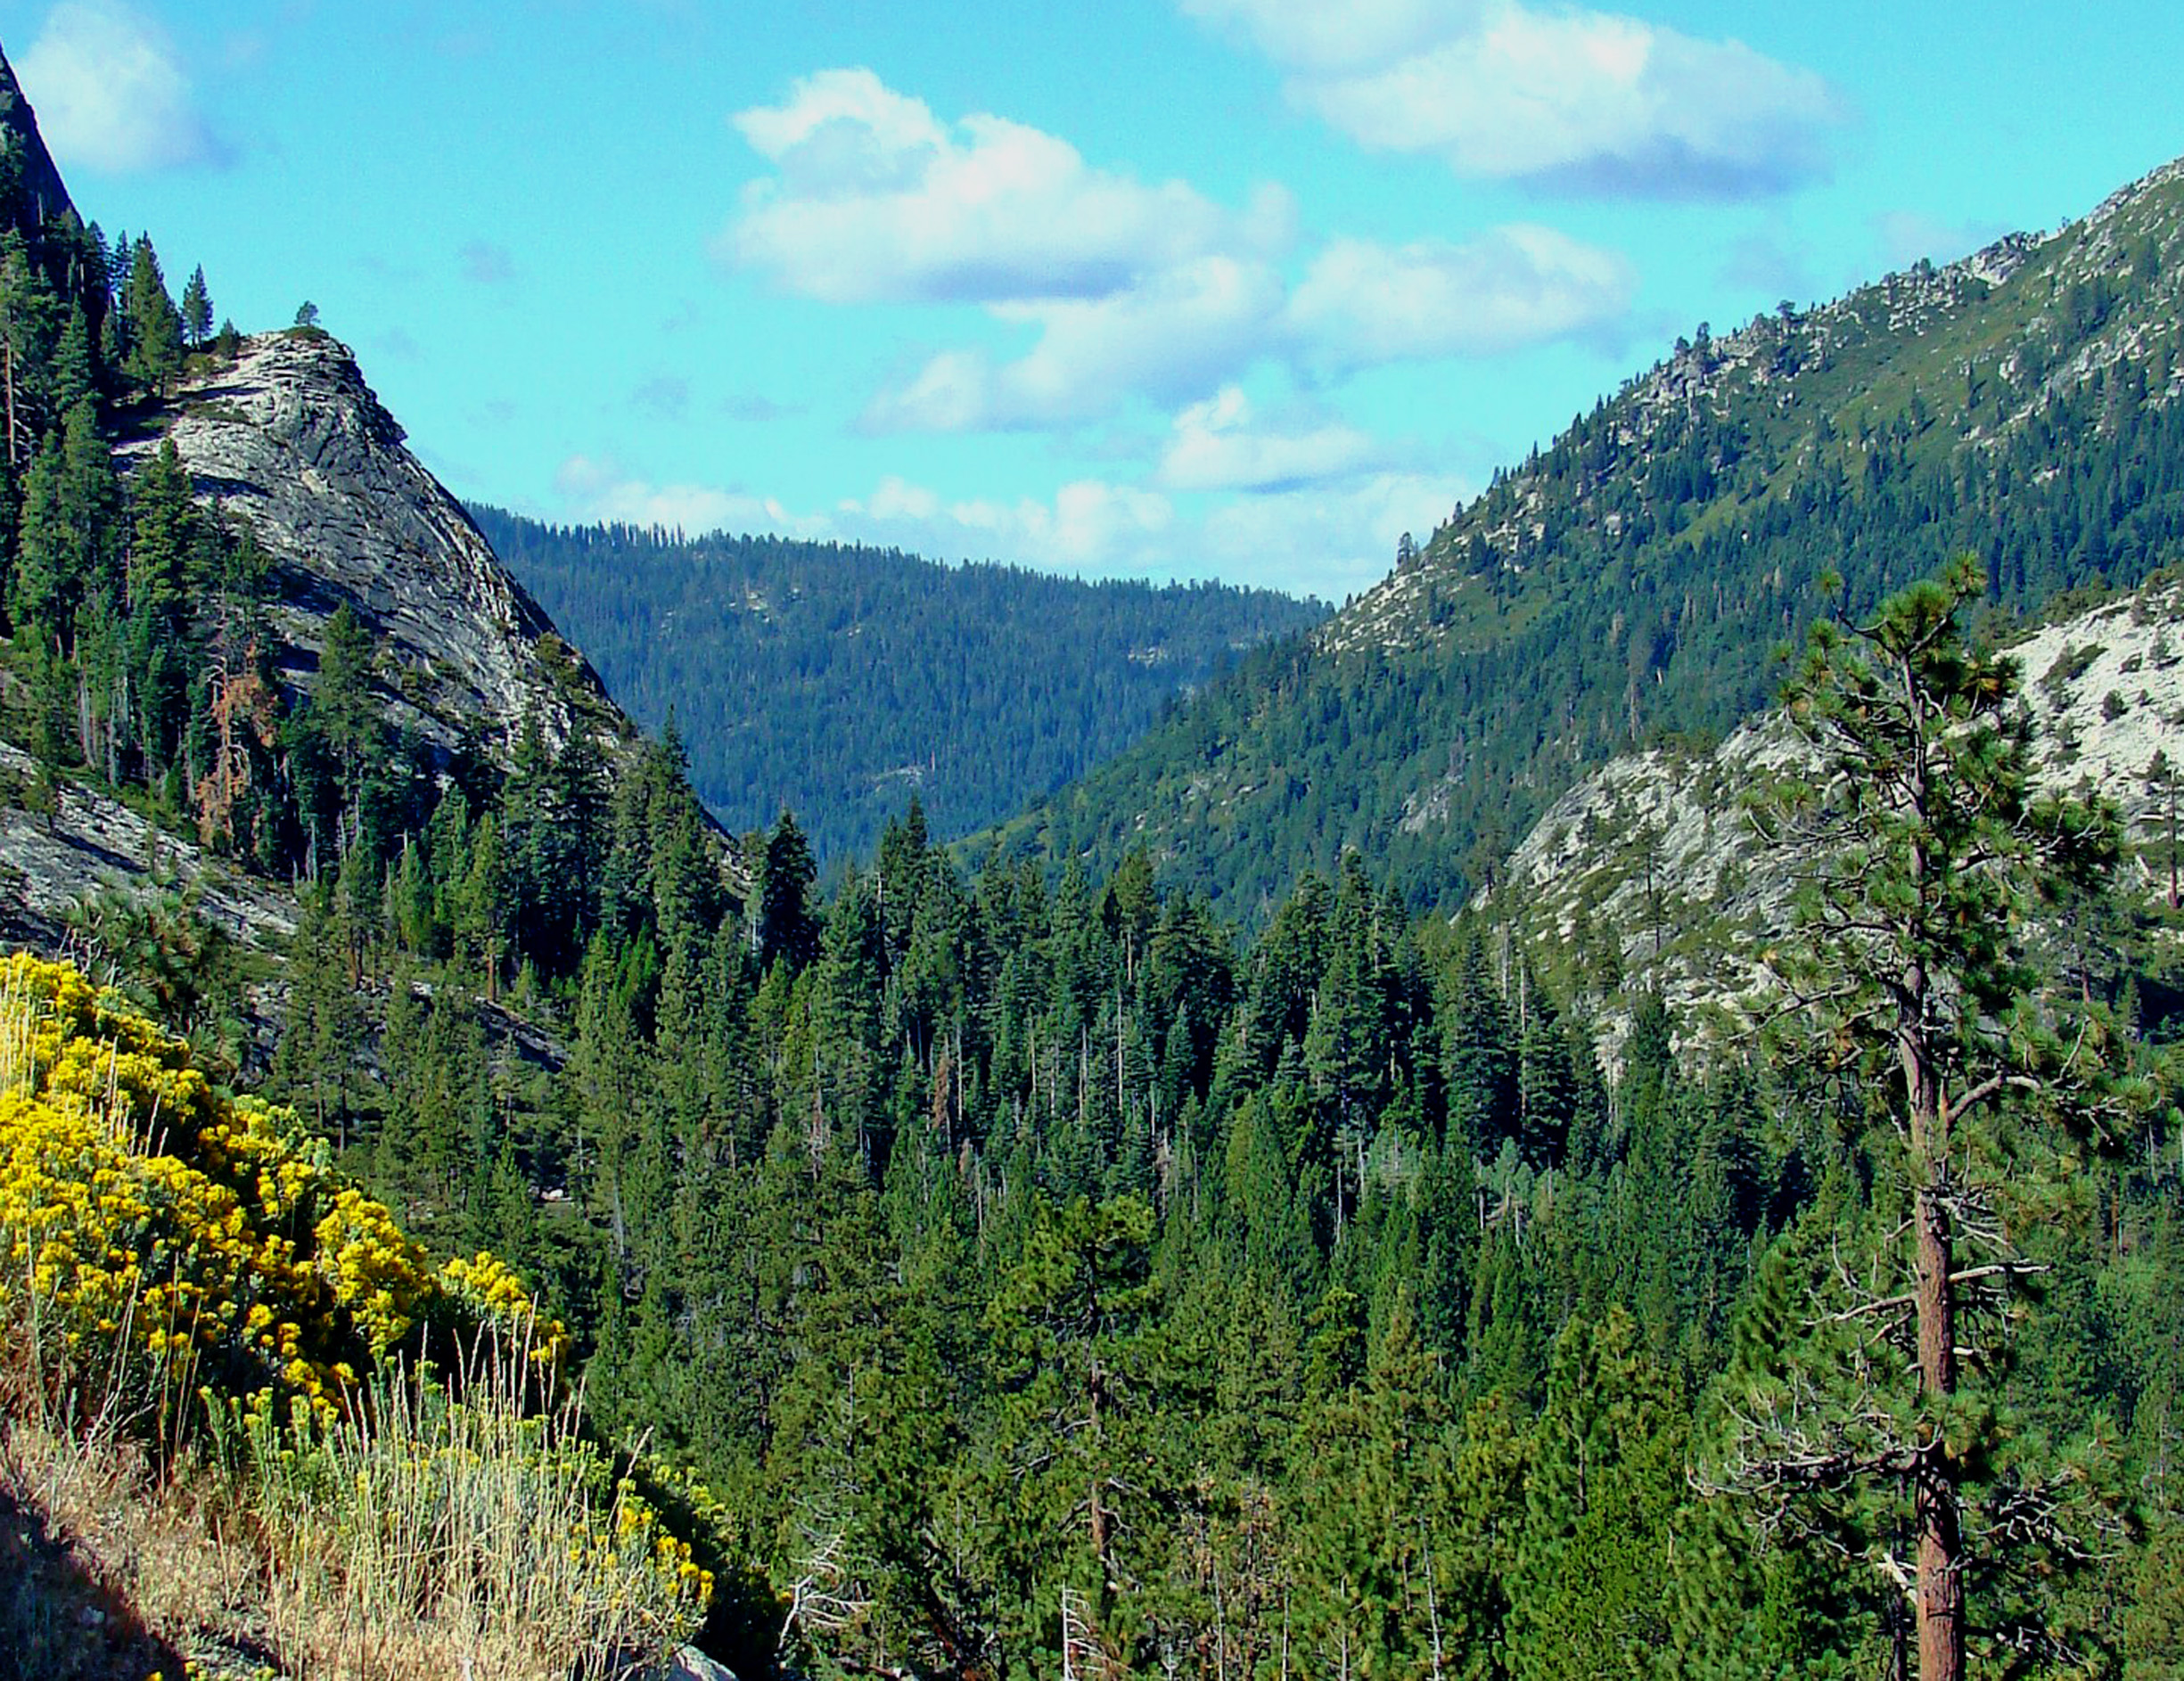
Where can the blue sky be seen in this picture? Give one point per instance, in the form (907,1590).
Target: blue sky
(1190,288)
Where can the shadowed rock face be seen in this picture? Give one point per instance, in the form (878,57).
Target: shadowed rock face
(293,440)
(22,148)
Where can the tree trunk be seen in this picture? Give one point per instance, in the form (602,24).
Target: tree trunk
(1940,1575)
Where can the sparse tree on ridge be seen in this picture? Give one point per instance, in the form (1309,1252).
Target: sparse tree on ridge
(197,310)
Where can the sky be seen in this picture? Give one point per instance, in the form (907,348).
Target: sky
(1237,289)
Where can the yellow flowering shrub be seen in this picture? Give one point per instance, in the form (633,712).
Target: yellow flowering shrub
(206,1232)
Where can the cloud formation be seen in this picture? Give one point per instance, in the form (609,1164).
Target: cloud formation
(1121,291)
(1174,336)
(874,198)
(1362,302)
(1116,291)
(1568,101)
(1222,444)
(112,95)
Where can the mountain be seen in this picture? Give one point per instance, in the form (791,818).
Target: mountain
(288,438)
(1648,878)
(1631,582)
(836,679)
(250,643)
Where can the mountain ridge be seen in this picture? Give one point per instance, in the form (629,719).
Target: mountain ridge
(1632,578)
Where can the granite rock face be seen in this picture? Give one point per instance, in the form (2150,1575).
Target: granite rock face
(68,841)
(44,195)
(291,439)
(1652,861)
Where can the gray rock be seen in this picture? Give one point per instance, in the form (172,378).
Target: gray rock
(690,1664)
(293,440)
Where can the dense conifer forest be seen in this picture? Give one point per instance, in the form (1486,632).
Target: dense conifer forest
(833,680)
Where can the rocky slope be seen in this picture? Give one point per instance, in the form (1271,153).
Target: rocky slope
(1647,875)
(24,149)
(1629,580)
(64,842)
(290,439)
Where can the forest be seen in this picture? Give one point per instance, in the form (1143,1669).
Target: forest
(1027,1263)
(1639,578)
(835,679)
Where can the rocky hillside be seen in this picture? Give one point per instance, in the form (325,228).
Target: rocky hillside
(1628,583)
(43,195)
(1648,876)
(290,439)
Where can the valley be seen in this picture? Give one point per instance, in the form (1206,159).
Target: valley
(597,1099)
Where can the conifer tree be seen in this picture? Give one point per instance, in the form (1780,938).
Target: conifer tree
(787,928)
(1971,1091)
(154,324)
(197,310)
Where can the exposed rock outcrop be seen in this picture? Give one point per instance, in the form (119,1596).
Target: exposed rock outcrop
(290,439)
(61,843)
(1651,869)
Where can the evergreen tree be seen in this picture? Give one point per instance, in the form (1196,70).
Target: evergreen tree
(1969,1087)
(197,310)
(786,928)
(153,324)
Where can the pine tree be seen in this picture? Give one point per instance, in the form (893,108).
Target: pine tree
(1972,1090)
(154,324)
(28,324)
(787,928)
(197,310)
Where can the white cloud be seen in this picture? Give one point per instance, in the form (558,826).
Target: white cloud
(1573,101)
(596,488)
(1362,302)
(1184,332)
(1116,291)
(874,197)
(1091,526)
(1348,35)
(1905,236)
(1326,542)
(1222,445)
(111,93)
(1175,336)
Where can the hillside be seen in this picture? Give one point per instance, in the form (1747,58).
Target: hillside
(256,662)
(1648,878)
(1631,582)
(837,680)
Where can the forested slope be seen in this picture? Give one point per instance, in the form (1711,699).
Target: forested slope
(1633,580)
(833,679)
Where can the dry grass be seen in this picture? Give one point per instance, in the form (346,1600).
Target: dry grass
(406,1532)
(421,1536)
(105,1569)
(428,1535)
